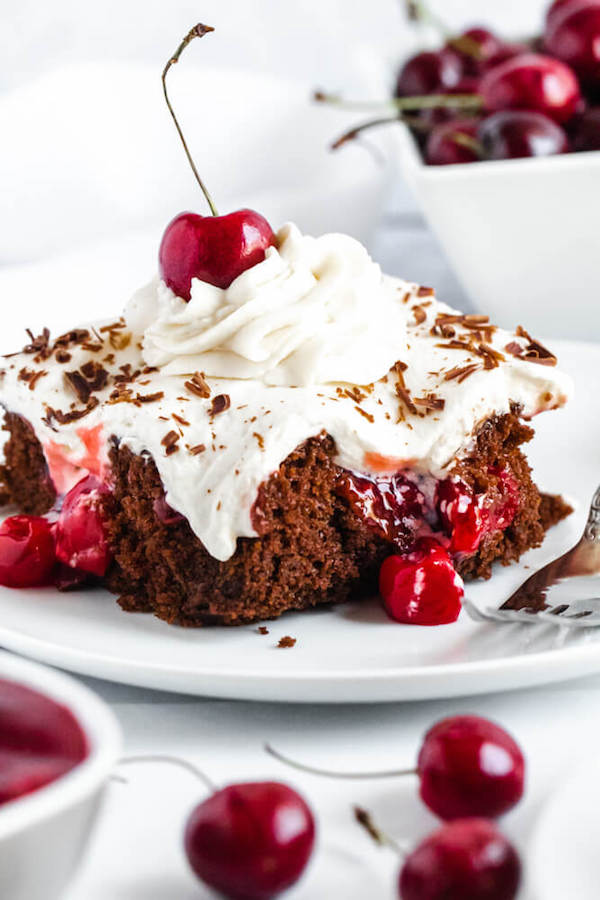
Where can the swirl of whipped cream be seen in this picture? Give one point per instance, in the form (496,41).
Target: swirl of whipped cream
(316,310)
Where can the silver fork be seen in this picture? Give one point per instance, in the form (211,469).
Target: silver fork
(564,592)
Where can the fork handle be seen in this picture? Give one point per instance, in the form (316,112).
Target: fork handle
(592,528)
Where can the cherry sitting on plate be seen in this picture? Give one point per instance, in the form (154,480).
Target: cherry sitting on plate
(421,587)
(27,554)
(513,134)
(250,841)
(214,249)
(81,539)
(465,860)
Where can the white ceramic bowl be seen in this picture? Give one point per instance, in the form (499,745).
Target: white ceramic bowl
(43,835)
(522,235)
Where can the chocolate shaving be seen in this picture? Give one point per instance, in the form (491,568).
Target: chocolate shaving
(75,336)
(430,402)
(30,377)
(491,357)
(534,351)
(419,314)
(79,385)
(199,448)
(64,418)
(180,419)
(425,292)
(198,385)
(401,390)
(286,641)
(95,375)
(460,373)
(39,345)
(62,356)
(150,398)
(363,412)
(169,442)
(219,404)
(259,439)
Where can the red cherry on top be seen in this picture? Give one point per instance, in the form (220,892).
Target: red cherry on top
(573,36)
(215,249)
(429,72)
(421,587)
(446,145)
(476,47)
(532,81)
(40,740)
(81,539)
(250,841)
(27,554)
(559,7)
(465,860)
(469,766)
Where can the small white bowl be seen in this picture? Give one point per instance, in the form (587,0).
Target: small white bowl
(521,234)
(43,835)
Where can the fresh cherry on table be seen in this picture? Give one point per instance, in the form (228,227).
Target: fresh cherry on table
(453,142)
(27,553)
(468,859)
(250,841)
(469,766)
(429,72)
(513,134)
(40,740)
(215,249)
(573,36)
(81,538)
(421,587)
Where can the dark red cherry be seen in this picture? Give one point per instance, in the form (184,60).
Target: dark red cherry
(469,766)
(585,130)
(429,73)
(250,841)
(389,505)
(560,7)
(534,82)
(215,249)
(506,51)
(476,47)
(27,554)
(464,860)
(461,515)
(574,37)
(452,143)
(40,740)
(81,538)
(421,587)
(513,134)
(439,114)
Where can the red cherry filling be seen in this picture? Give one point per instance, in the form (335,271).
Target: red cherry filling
(27,554)
(464,860)
(390,505)
(81,540)
(467,516)
(421,587)
(215,249)
(40,740)
(469,766)
(250,841)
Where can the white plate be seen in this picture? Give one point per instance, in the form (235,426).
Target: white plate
(563,859)
(352,653)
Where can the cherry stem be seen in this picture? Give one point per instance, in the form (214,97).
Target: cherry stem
(365,820)
(418,11)
(471,143)
(196,32)
(467,45)
(412,121)
(175,761)
(394,773)
(430,101)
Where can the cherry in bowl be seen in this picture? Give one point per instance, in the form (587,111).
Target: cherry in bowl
(514,134)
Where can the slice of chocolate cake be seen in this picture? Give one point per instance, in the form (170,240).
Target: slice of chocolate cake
(267,446)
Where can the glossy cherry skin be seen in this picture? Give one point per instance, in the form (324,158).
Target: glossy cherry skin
(27,553)
(513,134)
(444,148)
(429,72)
(532,81)
(464,860)
(574,37)
(421,587)
(559,8)
(215,249)
(81,538)
(469,766)
(40,740)
(485,46)
(250,841)
(585,131)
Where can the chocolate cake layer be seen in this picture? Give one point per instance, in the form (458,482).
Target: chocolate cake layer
(313,548)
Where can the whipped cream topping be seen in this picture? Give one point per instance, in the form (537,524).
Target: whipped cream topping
(316,311)
(215,439)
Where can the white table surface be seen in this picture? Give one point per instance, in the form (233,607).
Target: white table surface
(136,853)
